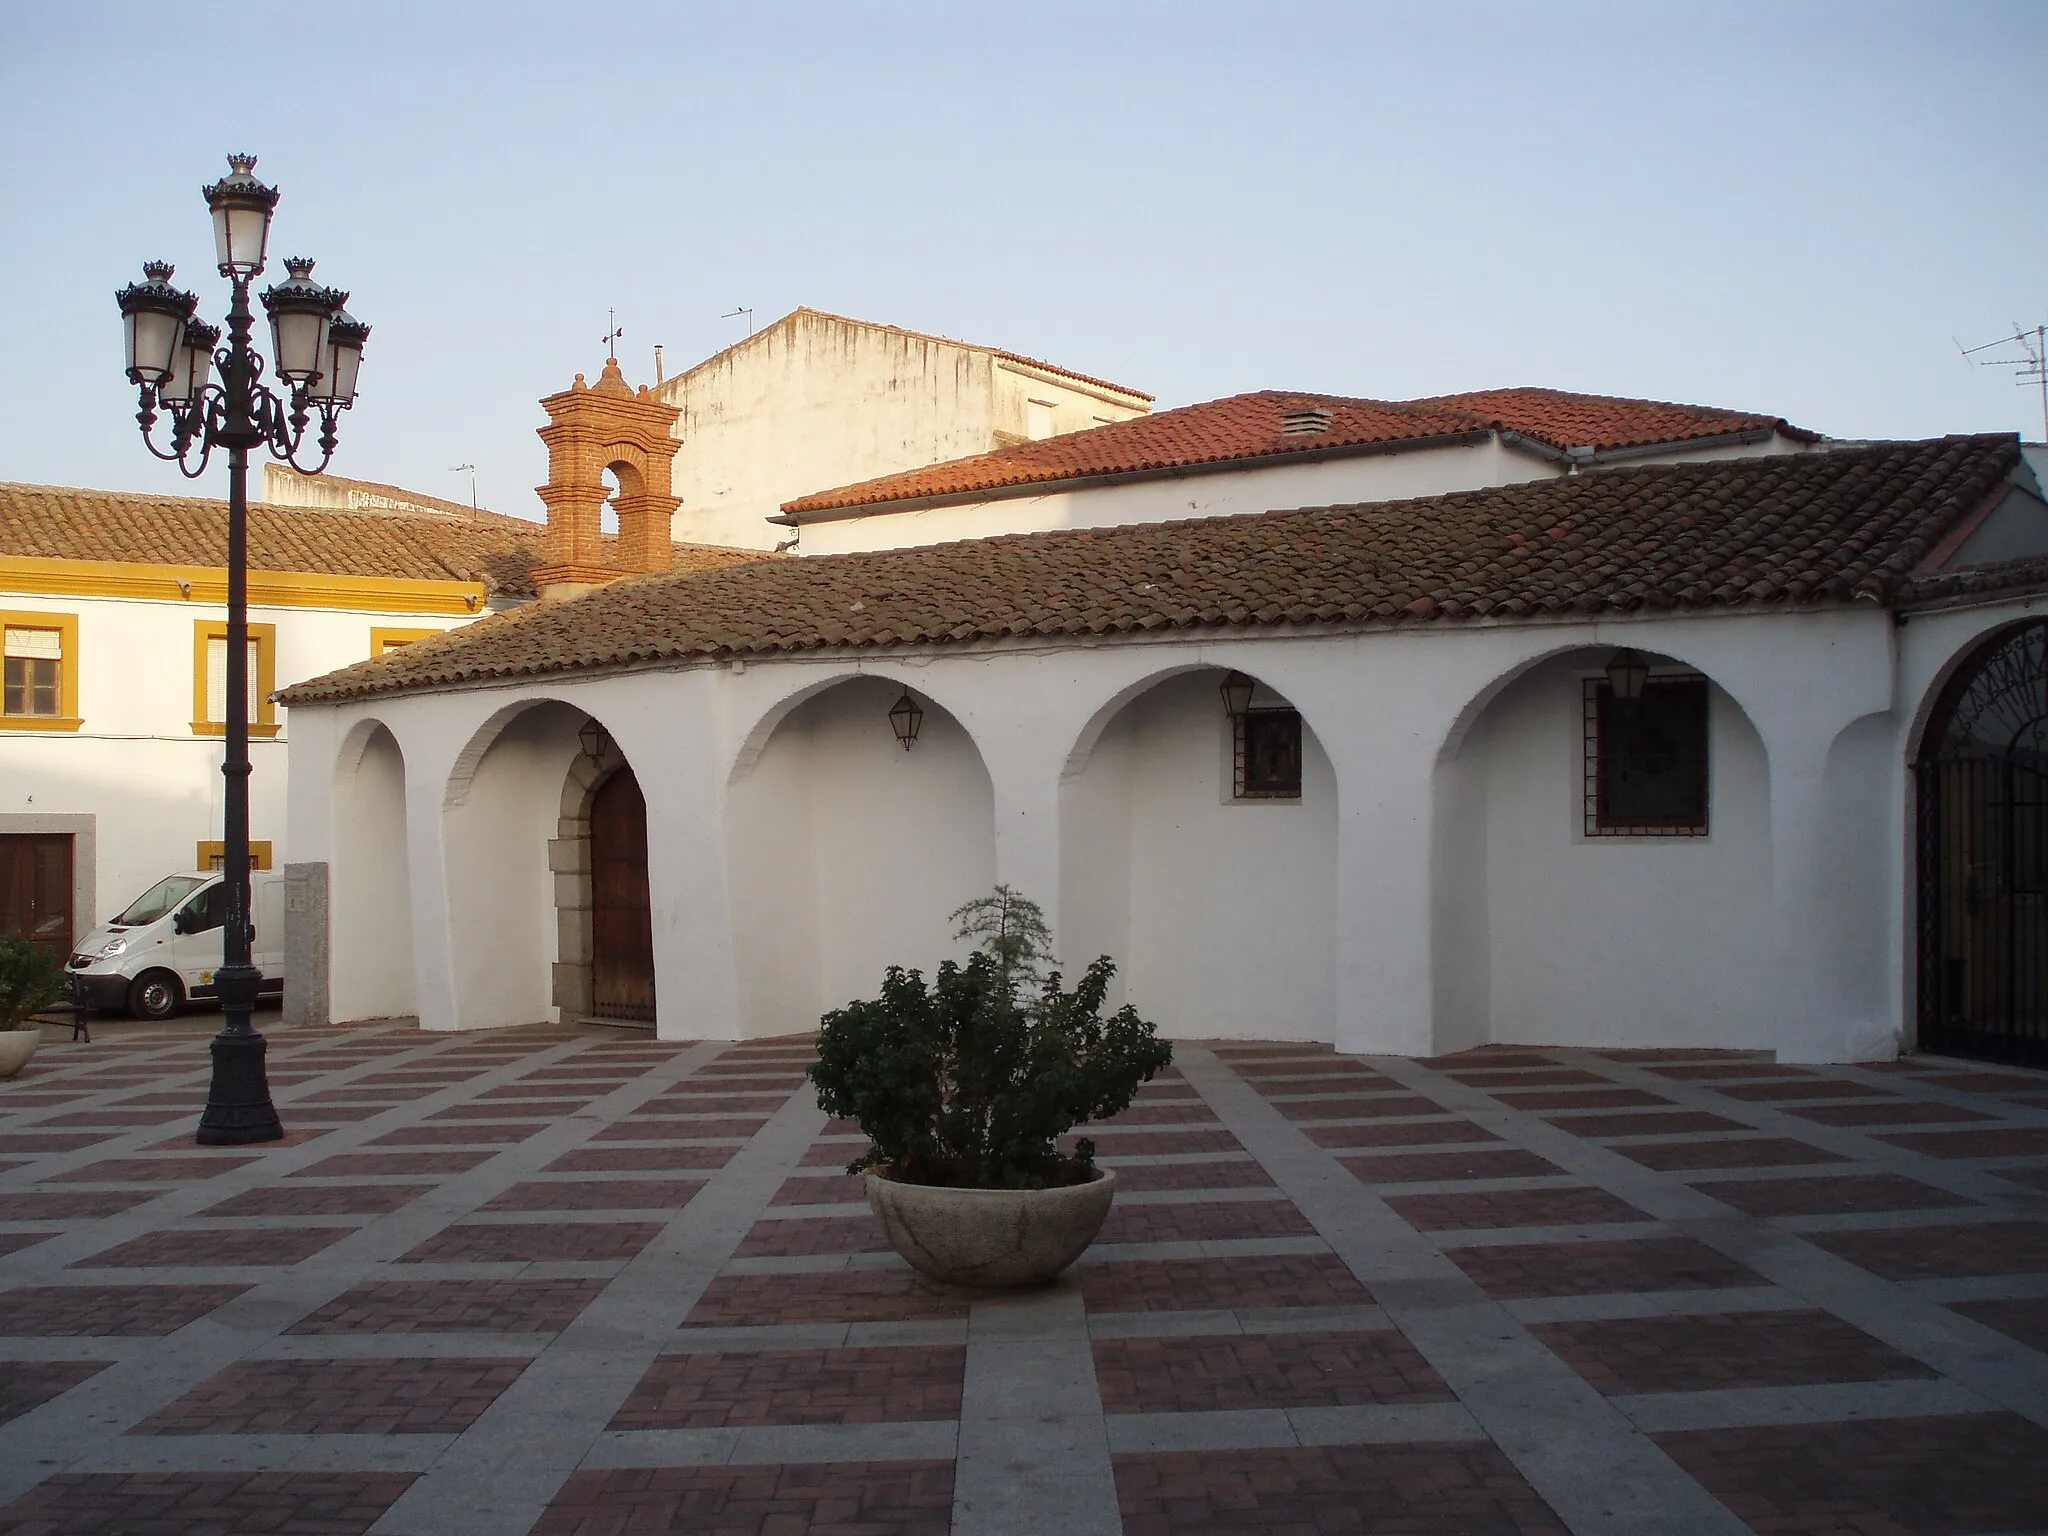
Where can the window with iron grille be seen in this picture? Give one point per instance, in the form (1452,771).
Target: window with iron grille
(1267,753)
(1646,759)
(34,671)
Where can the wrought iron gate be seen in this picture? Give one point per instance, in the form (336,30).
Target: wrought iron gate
(1982,783)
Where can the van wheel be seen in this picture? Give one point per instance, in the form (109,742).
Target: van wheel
(155,995)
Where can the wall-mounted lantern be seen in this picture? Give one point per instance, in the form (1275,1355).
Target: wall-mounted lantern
(1237,695)
(597,742)
(905,719)
(1627,671)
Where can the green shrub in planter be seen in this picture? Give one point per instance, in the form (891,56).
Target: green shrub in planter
(30,980)
(971,1080)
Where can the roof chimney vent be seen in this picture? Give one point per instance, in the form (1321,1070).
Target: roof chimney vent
(1304,421)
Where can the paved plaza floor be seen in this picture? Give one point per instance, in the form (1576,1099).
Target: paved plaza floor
(581,1281)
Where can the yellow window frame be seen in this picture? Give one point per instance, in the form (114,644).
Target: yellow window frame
(264,637)
(66,625)
(259,854)
(384,639)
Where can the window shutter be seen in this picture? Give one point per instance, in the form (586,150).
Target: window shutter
(36,644)
(217,680)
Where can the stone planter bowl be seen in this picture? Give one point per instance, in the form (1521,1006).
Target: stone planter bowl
(991,1237)
(16,1046)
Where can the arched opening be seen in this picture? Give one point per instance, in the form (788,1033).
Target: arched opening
(1981,796)
(847,853)
(621,920)
(1198,849)
(1601,866)
(370,975)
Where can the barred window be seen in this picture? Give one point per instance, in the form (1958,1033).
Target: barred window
(1646,759)
(1268,755)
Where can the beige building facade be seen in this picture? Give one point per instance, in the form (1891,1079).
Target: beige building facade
(818,400)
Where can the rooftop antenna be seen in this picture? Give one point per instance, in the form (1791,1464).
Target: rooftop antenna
(612,335)
(456,469)
(735,314)
(2028,361)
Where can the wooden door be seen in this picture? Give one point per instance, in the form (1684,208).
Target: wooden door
(622,928)
(35,889)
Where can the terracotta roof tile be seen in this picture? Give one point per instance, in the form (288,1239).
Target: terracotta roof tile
(61,523)
(1243,427)
(1779,529)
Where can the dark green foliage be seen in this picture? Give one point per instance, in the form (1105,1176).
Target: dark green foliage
(970,1081)
(30,980)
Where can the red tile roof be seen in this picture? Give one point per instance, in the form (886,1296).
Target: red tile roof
(55,522)
(1780,529)
(1244,427)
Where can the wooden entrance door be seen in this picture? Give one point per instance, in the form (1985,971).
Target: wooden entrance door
(35,889)
(621,926)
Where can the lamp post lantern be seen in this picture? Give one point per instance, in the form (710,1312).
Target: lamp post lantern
(318,348)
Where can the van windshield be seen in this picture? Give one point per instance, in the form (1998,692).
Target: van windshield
(159,899)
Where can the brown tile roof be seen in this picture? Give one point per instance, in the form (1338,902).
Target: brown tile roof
(61,523)
(1779,529)
(1243,427)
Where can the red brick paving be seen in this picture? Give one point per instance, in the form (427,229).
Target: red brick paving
(1993,1082)
(107,1311)
(790,1236)
(1303,1110)
(823,1189)
(1745,1152)
(1890,1112)
(663,1157)
(1830,1195)
(453,1306)
(1203,1221)
(2023,1318)
(200,1247)
(645,1127)
(1417,1133)
(1945,1252)
(215,1503)
(1265,1370)
(845,1296)
(1805,1088)
(1429,1167)
(1513,1208)
(318,1200)
(1224,1173)
(471,1133)
(1709,1071)
(69,1204)
(436,1396)
(1171,1285)
(2006,1141)
(354,1165)
(1171,1112)
(1554,1077)
(483,1242)
(1713,1352)
(1155,1143)
(1580,1098)
(153,1170)
(1455,1489)
(1520,1270)
(848,1498)
(1653,1123)
(1942,1476)
(28,1384)
(597,1195)
(797,1386)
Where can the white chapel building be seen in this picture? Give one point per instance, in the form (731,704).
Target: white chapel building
(1408,726)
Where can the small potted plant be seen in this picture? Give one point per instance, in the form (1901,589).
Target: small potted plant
(29,982)
(963,1089)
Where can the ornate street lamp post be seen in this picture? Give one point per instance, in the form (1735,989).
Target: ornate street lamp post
(317,347)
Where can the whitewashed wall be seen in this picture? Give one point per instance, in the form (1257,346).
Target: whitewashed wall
(1101,796)
(153,787)
(1260,486)
(367,884)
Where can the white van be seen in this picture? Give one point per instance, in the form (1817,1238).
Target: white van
(163,951)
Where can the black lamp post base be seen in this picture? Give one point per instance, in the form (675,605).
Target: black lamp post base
(238,1107)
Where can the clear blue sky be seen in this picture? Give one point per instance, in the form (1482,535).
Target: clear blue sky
(1785,207)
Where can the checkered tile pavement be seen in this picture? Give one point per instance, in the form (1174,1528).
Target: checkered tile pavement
(583,1281)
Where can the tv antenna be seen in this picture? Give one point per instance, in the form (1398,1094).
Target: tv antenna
(456,469)
(612,335)
(735,314)
(2026,355)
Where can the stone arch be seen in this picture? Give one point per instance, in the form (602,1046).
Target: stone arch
(1545,933)
(1149,821)
(845,853)
(370,900)
(569,860)
(755,738)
